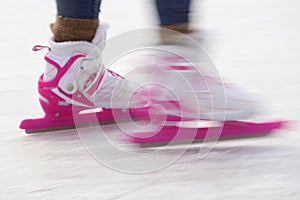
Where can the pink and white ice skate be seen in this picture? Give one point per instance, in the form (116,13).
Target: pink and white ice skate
(214,110)
(75,80)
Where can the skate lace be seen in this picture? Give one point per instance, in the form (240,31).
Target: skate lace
(208,85)
(40,47)
(113,86)
(180,64)
(114,74)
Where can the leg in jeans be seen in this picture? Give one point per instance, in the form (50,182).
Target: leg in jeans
(76,20)
(79,9)
(174,14)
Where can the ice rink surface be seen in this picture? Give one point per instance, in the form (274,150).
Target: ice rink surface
(255,44)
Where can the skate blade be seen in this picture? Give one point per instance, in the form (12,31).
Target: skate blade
(229,131)
(69,127)
(105,117)
(197,141)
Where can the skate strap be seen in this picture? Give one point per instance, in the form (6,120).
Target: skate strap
(61,70)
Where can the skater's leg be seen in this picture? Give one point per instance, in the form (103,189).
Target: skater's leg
(173,15)
(77,20)
(183,54)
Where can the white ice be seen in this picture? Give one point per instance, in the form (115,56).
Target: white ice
(255,44)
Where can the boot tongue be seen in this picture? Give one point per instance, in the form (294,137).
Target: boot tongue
(100,36)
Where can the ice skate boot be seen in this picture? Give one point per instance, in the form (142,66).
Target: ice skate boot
(191,86)
(201,94)
(74,81)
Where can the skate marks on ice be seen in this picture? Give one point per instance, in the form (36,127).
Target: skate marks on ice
(106,146)
(265,169)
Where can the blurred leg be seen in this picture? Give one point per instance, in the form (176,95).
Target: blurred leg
(174,14)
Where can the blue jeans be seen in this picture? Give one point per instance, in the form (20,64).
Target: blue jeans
(171,12)
(78,9)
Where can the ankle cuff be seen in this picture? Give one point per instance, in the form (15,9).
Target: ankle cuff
(69,29)
(169,34)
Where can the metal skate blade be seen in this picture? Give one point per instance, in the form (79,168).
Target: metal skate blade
(50,129)
(68,127)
